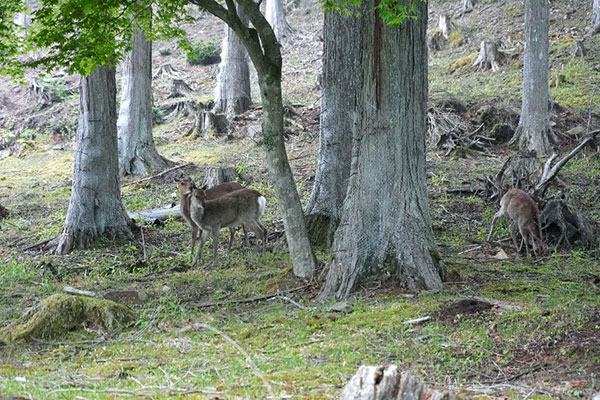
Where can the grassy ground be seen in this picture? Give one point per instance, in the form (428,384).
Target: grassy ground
(248,328)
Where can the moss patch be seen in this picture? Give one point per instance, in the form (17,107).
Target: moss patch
(61,313)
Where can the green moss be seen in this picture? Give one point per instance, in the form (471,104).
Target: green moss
(61,313)
(456,39)
(464,61)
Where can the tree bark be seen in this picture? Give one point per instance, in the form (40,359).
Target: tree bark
(533,130)
(95,208)
(385,222)
(275,14)
(595,18)
(340,68)
(265,53)
(232,94)
(137,152)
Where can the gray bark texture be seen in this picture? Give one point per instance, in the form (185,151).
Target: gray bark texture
(265,53)
(595,18)
(340,68)
(95,208)
(385,223)
(137,152)
(232,94)
(275,14)
(533,131)
(388,383)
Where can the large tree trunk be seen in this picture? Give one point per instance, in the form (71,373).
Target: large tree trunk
(232,95)
(275,14)
(595,18)
(533,131)
(137,152)
(385,222)
(265,54)
(340,68)
(95,208)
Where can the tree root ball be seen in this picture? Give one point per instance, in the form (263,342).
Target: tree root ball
(62,313)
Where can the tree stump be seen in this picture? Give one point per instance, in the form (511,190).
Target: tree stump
(563,226)
(166,71)
(445,25)
(180,89)
(435,40)
(215,124)
(578,49)
(217,175)
(489,56)
(3,212)
(467,7)
(388,383)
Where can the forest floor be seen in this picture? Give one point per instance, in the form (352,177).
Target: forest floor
(516,327)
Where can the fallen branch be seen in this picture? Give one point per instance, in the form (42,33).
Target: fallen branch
(549,173)
(417,320)
(248,300)
(166,171)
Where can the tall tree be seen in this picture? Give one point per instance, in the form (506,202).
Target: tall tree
(533,131)
(275,13)
(385,221)
(137,152)
(95,208)
(264,51)
(340,68)
(232,95)
(595,18)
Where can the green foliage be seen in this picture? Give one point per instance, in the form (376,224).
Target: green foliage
(81,35)
(392,12)
(164,52)
(203,53)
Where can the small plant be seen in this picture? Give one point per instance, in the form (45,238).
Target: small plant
(203,53)
(157,115)
(164,52)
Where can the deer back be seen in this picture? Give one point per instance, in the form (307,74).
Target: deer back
(221,190)
(521,208)
(231,210)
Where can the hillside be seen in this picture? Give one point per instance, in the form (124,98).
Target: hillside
(500,327)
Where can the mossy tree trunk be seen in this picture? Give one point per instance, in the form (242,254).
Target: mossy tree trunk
(264,51)
(385,225)
(338,98)
(137,152)
(595,18)
(95,208)
(232,95)
(533,130)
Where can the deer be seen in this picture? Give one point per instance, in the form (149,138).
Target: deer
(185,187)
(521,208)
(243,207)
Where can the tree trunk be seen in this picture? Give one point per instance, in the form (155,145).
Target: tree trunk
(265,53)
(467,6)
(340,68)
(595,18)
(137,152)
(533,130)
(275,14)
(232,95)
(95,208)
(385,223)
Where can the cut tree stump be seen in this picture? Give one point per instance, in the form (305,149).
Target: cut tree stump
(388,383)
(214,124)
(166,71)
(467,7)
(217,175)
(179,88)
(489,56)
(445,25)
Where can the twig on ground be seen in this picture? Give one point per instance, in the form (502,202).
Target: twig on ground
(300,306)
(417,320)
(166,171)
(248,300)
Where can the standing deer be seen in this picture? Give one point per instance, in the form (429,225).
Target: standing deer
(243,207)
(521,208)
(186,186)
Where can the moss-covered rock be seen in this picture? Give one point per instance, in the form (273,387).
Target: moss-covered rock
(62,313)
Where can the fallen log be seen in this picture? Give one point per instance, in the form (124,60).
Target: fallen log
(156,215)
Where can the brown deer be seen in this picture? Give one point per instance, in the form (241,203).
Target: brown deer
(521,208)
(243,207)
(185,187)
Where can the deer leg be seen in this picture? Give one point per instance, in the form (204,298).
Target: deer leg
(203,235)
(492,226)
(525,239)
(246,240)
(215,235)
(263,233)
(194,239)
(231,234)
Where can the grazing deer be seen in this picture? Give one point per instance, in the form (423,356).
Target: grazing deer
(186,186)
(521,208)
(243,207)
